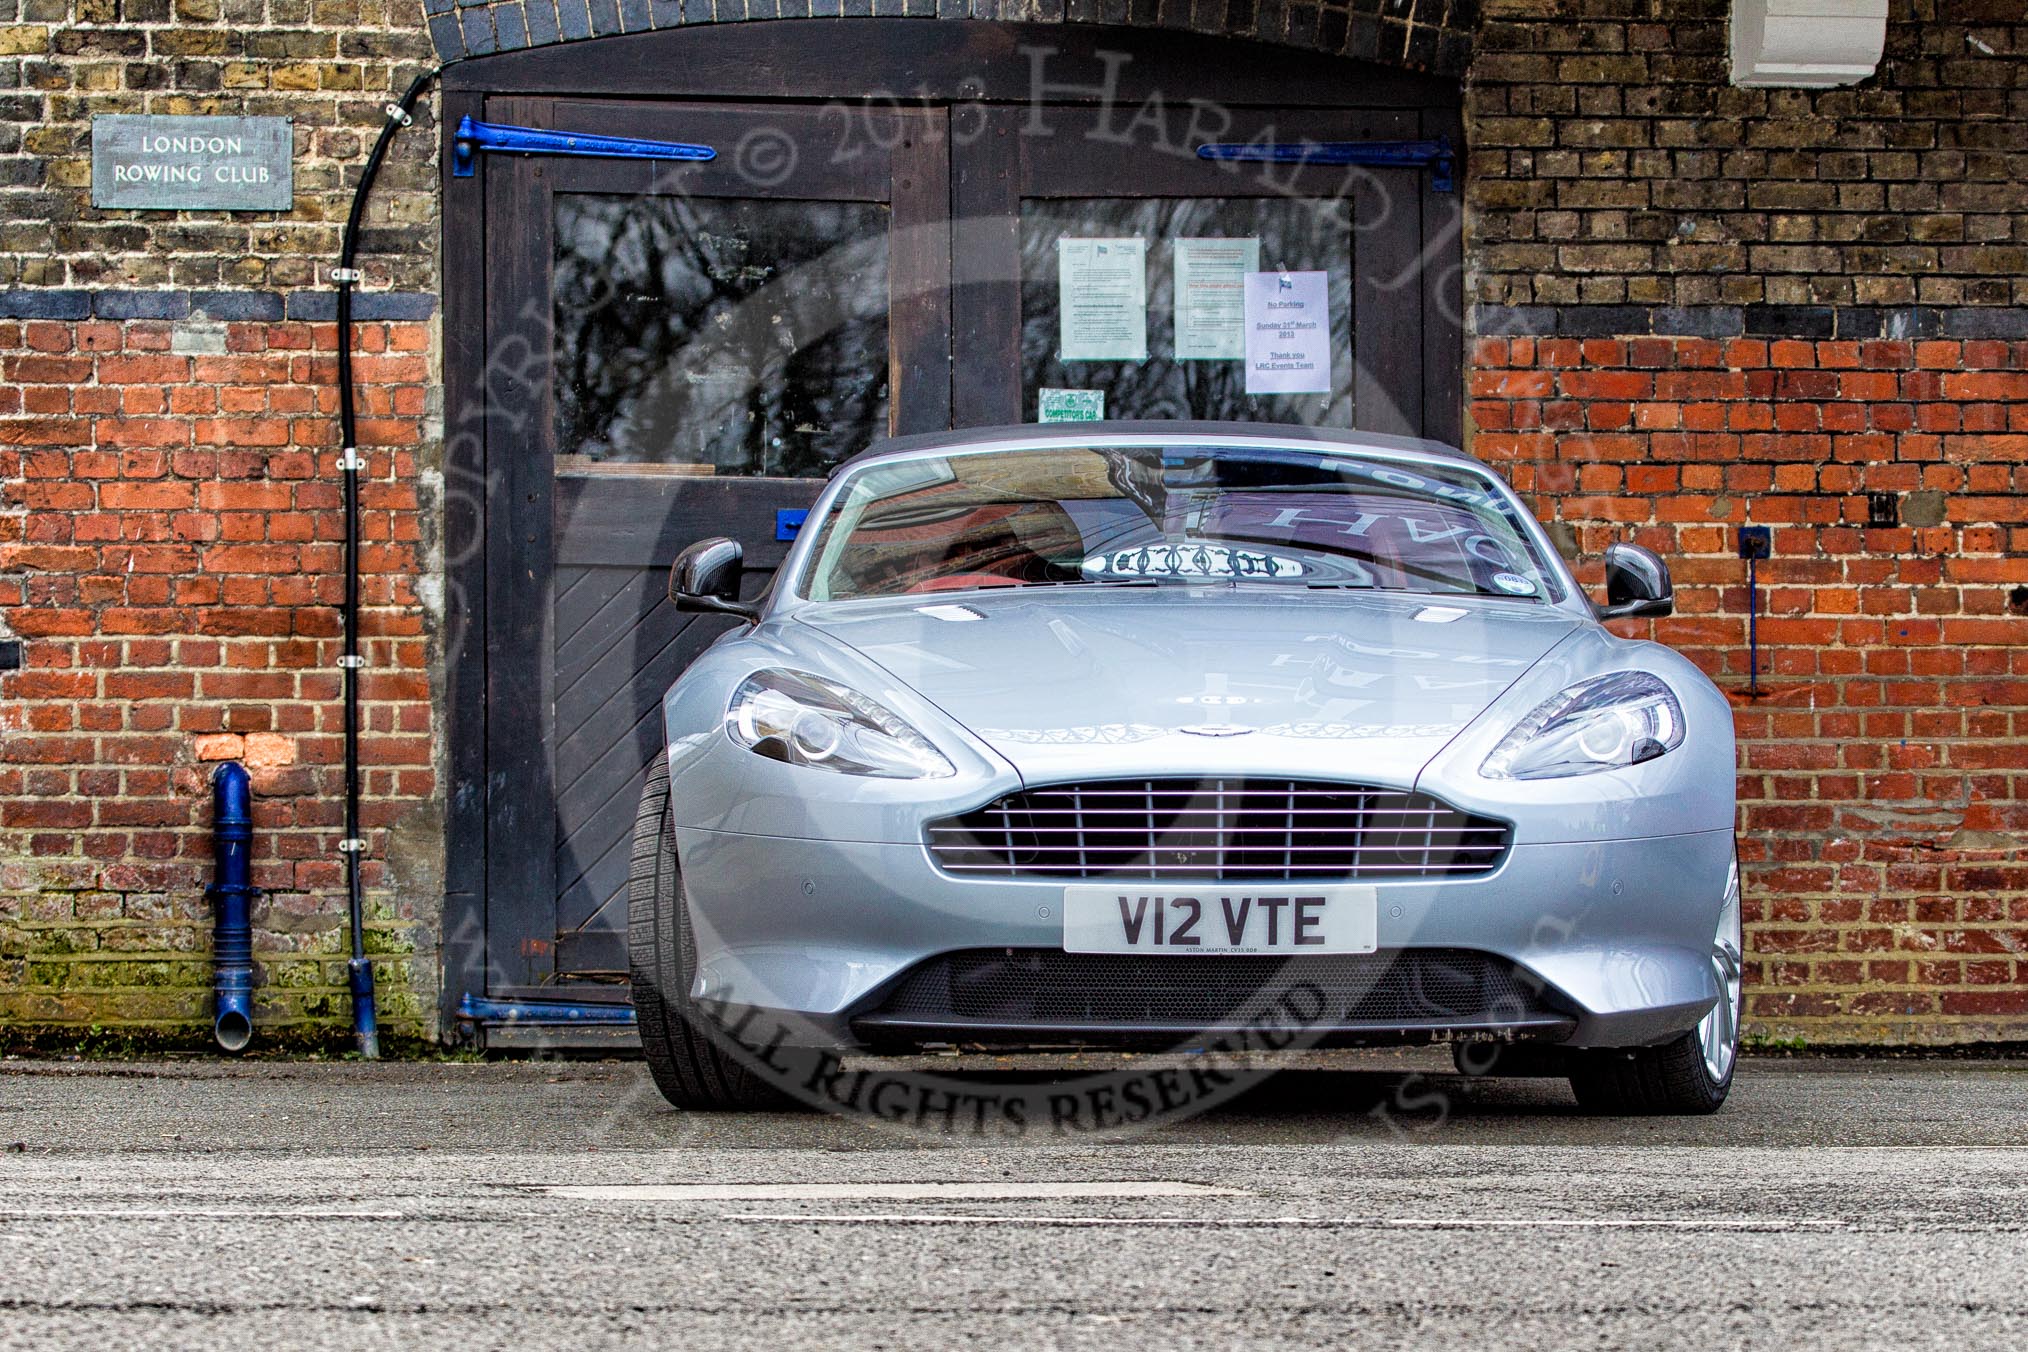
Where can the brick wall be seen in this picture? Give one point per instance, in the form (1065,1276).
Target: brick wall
(1884,764)
(1611,163)
(170,562)
(331,67)
(169,525)
(1701,306)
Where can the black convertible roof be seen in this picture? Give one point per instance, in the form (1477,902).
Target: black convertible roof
(1178,430)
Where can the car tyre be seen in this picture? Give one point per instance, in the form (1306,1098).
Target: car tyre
(688,1064)
(1669,1080)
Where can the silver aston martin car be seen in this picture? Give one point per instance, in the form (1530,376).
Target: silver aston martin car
(1117,734)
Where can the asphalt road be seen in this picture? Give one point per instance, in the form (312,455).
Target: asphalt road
(1833,1204)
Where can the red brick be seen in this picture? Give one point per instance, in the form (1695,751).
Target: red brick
(147,496)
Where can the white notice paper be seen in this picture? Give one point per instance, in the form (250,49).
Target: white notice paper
(1288,333)
(1210,291)
(1102,298)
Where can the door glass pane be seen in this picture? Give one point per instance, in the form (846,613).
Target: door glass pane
(1190,381)
(718,336)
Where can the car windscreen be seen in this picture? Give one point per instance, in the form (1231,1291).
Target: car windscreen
(1147,515)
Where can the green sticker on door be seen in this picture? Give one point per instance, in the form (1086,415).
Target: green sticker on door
(1070,405)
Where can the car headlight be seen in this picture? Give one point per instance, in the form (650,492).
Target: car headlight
(1602,724)
(805,720)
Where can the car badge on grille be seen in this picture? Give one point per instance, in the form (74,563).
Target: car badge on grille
(1215,730)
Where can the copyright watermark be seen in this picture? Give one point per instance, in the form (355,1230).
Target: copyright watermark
(1199,1074)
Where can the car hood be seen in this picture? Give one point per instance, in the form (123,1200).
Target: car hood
(1110,682)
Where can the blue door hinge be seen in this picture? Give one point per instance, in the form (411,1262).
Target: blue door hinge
(1437,154)
(473,137)
(544,1013)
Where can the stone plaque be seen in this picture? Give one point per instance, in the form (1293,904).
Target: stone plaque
(149,163)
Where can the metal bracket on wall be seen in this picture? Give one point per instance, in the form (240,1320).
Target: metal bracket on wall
(473,137)
(1755,543)
(1437,154)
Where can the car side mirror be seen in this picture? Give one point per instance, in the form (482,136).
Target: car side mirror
(1637,583)
(705,577)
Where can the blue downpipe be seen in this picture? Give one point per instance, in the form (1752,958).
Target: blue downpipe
(231,896)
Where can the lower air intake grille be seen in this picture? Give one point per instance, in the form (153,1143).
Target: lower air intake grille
(1013,988)
(1222,830)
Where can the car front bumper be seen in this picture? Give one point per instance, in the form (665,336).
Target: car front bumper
(1615,934)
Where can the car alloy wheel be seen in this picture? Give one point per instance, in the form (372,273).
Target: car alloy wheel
(1718,1034)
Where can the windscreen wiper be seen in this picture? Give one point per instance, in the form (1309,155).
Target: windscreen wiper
(1104,582)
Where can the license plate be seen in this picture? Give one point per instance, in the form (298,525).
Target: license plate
(1266,918)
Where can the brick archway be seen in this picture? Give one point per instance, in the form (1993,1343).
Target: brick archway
(1423,35)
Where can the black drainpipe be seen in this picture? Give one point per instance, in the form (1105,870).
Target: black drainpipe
(359,972)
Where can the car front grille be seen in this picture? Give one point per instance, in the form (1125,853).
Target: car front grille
(1043,988)
(1221,830)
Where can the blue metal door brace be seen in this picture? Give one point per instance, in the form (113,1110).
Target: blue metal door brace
(473,137)
(1437,154)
